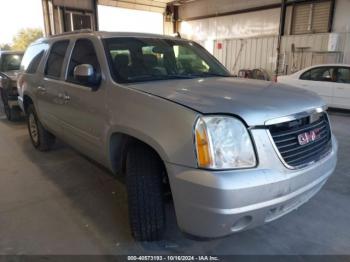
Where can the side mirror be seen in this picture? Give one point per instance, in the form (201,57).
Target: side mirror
(85,74)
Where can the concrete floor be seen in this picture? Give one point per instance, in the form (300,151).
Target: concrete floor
(61,203)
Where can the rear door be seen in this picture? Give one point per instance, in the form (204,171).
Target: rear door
(31,71)
(342,88)
(84,115)
(319,80)
(49,92)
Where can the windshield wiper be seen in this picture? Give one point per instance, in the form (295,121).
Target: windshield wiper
(208,74)
(159,77)
(179,76)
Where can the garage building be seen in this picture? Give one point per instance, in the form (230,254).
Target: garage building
(279,37)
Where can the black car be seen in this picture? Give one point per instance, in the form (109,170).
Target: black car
(9,65)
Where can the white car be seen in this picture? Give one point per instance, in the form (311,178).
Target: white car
(330,81)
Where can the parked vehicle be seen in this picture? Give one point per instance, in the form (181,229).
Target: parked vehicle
(245,73)
(9,66)
(163,111)
(257,73)
(330,81)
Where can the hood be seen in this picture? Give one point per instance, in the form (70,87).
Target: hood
(253,100)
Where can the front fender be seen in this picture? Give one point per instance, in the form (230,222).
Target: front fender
(165,126)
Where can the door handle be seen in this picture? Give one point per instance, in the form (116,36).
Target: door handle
(64,97)
(41,89)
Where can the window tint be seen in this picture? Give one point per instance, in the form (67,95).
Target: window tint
(83,53)
(55,60)
(343,75)
(325,74)
(32,57)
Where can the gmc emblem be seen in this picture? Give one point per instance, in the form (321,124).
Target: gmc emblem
(309,136)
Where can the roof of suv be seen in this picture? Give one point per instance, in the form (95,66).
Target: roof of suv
(104,34)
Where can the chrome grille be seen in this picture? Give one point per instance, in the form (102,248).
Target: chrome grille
(285,136)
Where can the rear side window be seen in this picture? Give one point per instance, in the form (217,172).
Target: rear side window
(343,75)
(83,53)
(32,57)
(55,60)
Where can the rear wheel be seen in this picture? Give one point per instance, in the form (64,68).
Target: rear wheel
(144,172)
(41,139)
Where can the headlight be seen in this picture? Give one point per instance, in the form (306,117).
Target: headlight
(223,143)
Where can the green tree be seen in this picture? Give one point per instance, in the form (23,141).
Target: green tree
(24,37)
(4,47)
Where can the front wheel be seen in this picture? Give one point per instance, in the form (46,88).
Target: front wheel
(41,139)
(144,172)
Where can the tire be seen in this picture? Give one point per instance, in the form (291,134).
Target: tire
(144,171)
(41,139)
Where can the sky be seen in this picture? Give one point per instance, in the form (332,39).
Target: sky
(18,14)
(121,19)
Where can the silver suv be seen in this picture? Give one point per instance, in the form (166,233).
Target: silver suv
(234,153)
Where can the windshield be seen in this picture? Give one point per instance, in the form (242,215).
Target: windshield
(10,62)
(147,59)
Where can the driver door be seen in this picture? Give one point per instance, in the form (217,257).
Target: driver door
(84,115)
(321,81)
(342,88)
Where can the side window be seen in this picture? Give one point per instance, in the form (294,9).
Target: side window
(55,60)
(83,53)
(324,74)
(343,75)
(32,57)
(306,75)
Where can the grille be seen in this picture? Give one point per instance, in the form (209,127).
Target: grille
(285,136)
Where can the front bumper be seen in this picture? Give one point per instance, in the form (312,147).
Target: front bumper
(13,101)
(218,203)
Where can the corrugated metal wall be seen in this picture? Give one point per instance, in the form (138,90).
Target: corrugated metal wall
(311,49)
(261,52)
(248,53)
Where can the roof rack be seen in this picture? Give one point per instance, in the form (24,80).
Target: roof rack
(177,35)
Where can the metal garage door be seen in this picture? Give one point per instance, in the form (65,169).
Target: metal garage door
(145,5)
